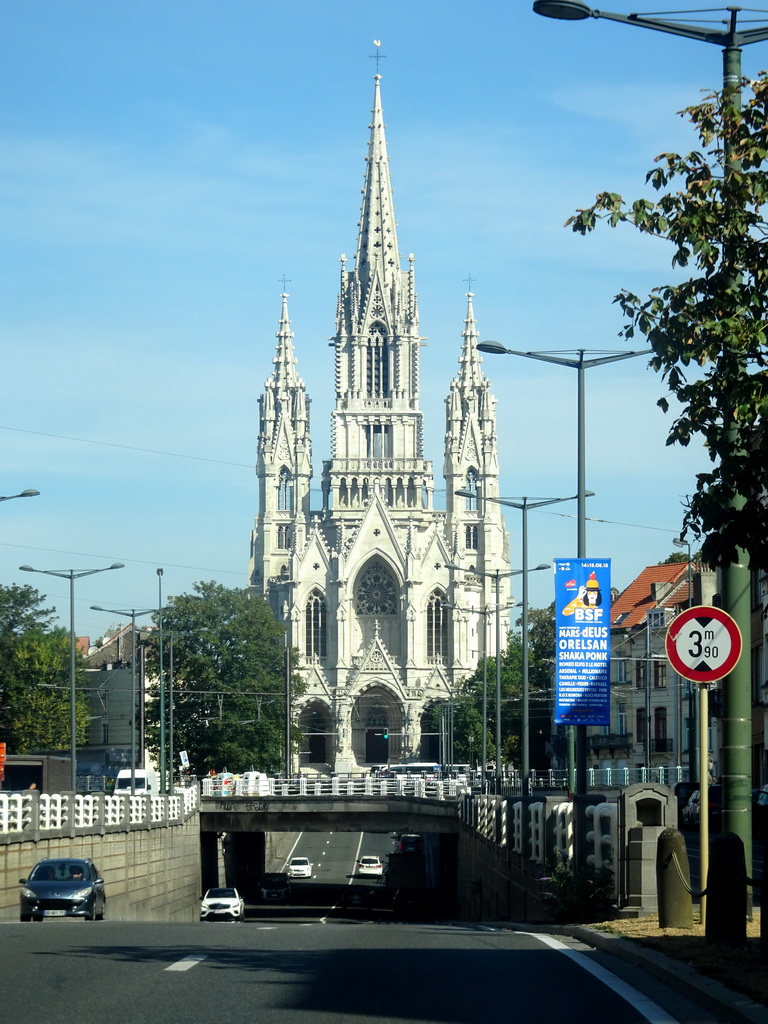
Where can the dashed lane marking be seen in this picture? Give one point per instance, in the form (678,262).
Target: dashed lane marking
(187,962)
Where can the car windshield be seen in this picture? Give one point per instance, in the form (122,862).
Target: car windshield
(274,879)
(60,871)
(221,894)
(299,861)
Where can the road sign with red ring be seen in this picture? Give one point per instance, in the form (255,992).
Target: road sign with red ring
(703,643)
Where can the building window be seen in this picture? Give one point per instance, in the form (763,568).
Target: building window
(376,592)
(378,441)
(377,363)
(284,537)
(640,725)
(285,491)
(437,627)
(659,674)
(470,538)
(316,624)
(470,501)
(660,723)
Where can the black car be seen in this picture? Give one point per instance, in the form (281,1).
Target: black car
(63,887)
(411,844)
(275,887)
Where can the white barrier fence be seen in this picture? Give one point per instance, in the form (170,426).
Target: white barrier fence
(47,812)
(257,784)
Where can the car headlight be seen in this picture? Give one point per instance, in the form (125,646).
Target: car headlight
(28,894)
(81,894)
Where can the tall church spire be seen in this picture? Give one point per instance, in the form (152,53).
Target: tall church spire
(377,238)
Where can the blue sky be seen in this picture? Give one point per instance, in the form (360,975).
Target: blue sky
(164,165)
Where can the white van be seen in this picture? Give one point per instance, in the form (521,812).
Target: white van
(146,781)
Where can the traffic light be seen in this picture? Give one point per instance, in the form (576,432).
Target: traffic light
(386,733)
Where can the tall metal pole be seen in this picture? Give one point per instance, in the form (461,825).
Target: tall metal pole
(288,757)
(170,710)
(485,702)
(525,730)
(737,689)
(72,688)
(71,575)
(498,683)
(162,678)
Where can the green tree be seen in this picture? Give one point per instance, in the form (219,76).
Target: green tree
(35,680)
(228,679)
(40,711)
(708,332)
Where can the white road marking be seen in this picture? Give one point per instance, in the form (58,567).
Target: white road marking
(187,962)
(652,1012)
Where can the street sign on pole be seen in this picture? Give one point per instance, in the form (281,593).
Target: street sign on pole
(703,643)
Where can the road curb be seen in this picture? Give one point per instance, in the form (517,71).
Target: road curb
(735,1007)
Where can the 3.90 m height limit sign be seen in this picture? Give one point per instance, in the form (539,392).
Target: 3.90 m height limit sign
(703,643)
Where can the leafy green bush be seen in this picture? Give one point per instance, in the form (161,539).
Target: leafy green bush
(582,896)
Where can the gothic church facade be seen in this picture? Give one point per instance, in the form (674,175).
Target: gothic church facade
(389,601)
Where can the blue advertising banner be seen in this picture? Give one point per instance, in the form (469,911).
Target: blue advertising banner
(582,641)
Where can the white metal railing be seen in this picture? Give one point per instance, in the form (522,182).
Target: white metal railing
(46,812)
(350,785)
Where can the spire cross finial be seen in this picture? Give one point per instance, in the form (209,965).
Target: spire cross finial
(284,281)
(469,279)
(377,56)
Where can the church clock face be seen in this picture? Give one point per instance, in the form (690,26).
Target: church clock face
(376,592)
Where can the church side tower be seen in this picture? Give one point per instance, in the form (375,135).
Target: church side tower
(476,529)
(283,465)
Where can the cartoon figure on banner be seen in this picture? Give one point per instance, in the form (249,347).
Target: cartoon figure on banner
(589,595)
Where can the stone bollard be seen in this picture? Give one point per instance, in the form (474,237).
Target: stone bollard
(727,891)
(673,881)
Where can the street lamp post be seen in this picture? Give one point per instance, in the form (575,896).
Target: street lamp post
(737,705)
(161,677)
(524,504)
(497,576)
(485,612)
(71,575)
(577,736)
(134,613)
(692,734)
(29,493)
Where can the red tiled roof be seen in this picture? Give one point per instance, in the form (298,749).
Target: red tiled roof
(633,604)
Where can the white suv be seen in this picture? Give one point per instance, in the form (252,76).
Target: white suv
(299,867)
(370,866)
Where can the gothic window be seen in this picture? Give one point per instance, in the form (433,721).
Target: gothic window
(377,363)
(437,627)
(285,490)
(316,625)
(470,538)
(376,592)
(284,537)
(470,502)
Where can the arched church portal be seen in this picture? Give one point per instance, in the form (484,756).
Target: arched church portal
(377,727)
(318,742)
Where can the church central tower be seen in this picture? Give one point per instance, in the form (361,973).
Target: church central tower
(384,631)
(377,431)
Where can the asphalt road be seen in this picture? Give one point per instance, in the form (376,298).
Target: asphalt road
(313,970)
(315,962)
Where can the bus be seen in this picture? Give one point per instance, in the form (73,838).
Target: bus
(419,769)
